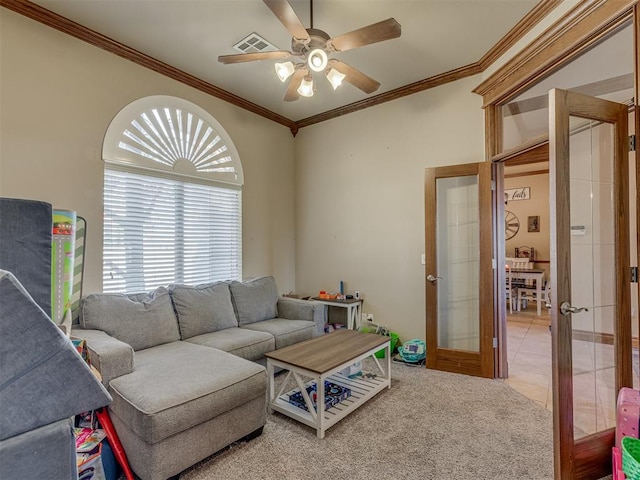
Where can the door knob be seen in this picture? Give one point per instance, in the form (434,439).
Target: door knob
(566,309)
(433,279)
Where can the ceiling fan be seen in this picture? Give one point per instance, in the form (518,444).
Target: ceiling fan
(311,48)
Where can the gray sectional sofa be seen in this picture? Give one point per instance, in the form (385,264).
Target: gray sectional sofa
(183,365)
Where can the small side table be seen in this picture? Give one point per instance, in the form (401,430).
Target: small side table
(353,306)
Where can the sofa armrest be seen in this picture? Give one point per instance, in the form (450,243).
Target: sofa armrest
(295,309)
(111,357)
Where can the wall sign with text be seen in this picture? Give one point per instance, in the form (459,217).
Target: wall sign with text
(522,193)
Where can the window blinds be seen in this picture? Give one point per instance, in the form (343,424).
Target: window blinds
(159,231)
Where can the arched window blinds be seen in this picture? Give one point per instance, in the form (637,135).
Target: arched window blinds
(172,198)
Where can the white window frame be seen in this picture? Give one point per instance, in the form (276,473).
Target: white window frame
(161,150)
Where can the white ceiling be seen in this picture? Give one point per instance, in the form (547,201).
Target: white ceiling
(437,36)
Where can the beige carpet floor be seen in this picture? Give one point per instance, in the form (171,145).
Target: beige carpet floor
(429,425)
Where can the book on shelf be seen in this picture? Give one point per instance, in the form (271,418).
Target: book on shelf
(333,394)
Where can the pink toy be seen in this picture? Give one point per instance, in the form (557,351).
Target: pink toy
(628,414)
(618,474)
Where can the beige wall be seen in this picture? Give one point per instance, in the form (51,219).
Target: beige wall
(360,197)
(538,204)
(359,179)
(59,94)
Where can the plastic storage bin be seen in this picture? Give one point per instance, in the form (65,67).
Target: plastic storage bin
(627,414)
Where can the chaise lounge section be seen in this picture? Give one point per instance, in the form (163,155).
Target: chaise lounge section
(184,365)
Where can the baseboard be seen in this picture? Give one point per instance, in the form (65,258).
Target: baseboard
(598,337)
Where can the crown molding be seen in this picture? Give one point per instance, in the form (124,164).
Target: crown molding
(535,15)
(581,27)
(64,25)
(400,92)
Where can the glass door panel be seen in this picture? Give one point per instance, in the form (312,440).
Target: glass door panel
(592,274)
(458,246)
(458,262)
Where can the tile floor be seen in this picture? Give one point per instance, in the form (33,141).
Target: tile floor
(529,356)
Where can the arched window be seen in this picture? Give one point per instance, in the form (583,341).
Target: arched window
(172,198)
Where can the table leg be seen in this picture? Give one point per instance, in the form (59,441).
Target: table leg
(388,356)
(350,319)
(354,311)
(539,296)
(271,380)
(320,406)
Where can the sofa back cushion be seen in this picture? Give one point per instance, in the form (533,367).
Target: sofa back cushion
(203,308)
(255,300)
(142,320)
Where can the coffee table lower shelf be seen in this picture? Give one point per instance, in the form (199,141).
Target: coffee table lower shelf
(362,389)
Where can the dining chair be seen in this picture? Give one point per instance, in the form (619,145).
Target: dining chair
(525,252)
(522,263)
(511,291)
(530,293)
(518,264)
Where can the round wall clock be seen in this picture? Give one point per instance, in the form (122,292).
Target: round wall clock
(511,224)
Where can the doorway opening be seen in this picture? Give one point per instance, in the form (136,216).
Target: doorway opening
(526,189)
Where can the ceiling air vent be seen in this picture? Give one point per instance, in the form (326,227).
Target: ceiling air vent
(253,43)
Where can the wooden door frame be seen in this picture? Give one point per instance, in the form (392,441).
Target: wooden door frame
(501,364)
(588,457)
(583,26)
(469,363)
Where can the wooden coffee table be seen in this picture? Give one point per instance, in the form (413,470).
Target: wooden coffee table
(321,359)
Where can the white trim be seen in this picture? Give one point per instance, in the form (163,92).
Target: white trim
(184,151)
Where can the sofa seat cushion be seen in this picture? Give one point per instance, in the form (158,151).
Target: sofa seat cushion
(178,385)
(255,300)
(203,308)
(286,332)
(248,344)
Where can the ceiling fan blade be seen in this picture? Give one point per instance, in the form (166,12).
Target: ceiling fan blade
(251,57)
(292,89)
(374,33)
(285,13)
(355,77)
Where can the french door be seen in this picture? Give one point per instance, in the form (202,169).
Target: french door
(458,269)
(590,275)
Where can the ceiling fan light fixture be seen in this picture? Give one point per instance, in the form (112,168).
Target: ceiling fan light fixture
(335,78)
(306,87)
(317,60)
(284,70)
